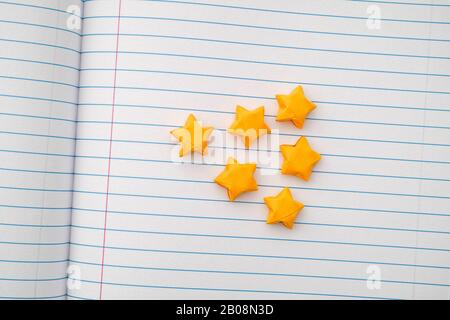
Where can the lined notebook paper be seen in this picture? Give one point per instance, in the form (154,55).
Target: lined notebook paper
(39,62)
(144,226)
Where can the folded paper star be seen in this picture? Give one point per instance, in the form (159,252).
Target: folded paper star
(237,178)
(192,136)
(249,124)
(299,159)
(283,208)
(294,106)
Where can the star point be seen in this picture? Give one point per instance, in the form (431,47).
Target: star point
(299,159)
(249,125)
(237,178)
(294,106)
(283,208)
(192,136)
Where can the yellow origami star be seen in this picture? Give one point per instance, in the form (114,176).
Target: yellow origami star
(294,106)
(192,136)
(299,159)
(249,124)
(283,208)
(237,178)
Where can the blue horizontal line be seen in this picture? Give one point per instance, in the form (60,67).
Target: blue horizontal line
(41,62)
(316,171)
(36,189)
(293,135)
(225,112)
(42,117)
(275,186)
(224,130)
(46,136)
(368,140)
(215,200)
(152,160)
(238,148)
(225,200)
(258,97)
(150,178)
(40,44)
(381,176)
(76,297)
(219,147)
(276,46)
(31,298)
(40,26)
(33,208)
(261,256)
(39,7)
(378,210)
(48,172)
(266,62)
(282,134)
(34,261)
(36,243)
(260,203)
(361,209)
(342,104)
(40,80)
(256,273)
(404,3)
(32,280)
(383,158)
(124,159)
(227,290)
(292,12)
(379,123)
(270,28)
(35,225)
(255,220)
(38,98)
(51,154)
(262,238)
(267,115)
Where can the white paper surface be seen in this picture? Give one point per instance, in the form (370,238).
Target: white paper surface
(39,62)
(378,203)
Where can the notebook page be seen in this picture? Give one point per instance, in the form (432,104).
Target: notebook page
(39,62)
(376,220)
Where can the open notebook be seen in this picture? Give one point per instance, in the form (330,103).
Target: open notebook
(92,205)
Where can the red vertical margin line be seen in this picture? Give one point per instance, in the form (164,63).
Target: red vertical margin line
(110,150)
